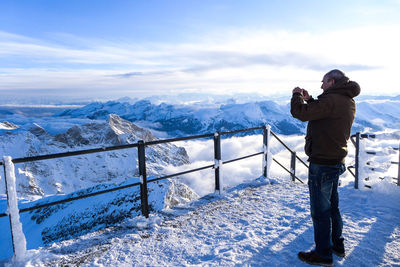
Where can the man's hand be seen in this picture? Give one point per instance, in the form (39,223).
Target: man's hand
(306,96)
(303,92)
(297,90)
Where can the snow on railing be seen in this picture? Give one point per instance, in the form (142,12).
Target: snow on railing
(374,158)
(267,158)
(18,237)
(218,163)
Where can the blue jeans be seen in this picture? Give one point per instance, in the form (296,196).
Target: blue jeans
(324,202)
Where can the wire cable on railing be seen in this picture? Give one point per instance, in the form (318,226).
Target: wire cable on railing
(241,130)
(287,170)
(244,157)
(288,148)
(181,173)
(349,169)
(162,141)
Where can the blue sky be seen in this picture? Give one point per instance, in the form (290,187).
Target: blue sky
(138,48)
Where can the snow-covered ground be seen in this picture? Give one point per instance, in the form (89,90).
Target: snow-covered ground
(253,224)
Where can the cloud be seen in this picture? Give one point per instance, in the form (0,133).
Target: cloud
(219,60)
(185,57)
(91,52)
(201,154)
(234,61)
(129,74)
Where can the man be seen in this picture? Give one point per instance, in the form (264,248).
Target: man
(330,118)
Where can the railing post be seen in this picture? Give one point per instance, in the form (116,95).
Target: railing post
(143,179)
(18,236)
(293,166)
(218,162)
(398,169)
(357,164)
(8,201)
(266,139)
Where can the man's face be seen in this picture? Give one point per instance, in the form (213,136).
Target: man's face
(326,83)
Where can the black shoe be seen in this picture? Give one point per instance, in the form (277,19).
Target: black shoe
(313,259)
(338,252)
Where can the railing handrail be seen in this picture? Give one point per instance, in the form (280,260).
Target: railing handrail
(71,153)
(156,142)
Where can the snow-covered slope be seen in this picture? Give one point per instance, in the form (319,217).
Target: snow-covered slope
(377,115)
(72,219)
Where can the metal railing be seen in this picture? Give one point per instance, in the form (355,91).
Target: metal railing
(141,145)
(358,137)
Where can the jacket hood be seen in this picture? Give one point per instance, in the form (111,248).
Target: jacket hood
(344,87)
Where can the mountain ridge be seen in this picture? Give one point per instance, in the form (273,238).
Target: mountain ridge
(181,120)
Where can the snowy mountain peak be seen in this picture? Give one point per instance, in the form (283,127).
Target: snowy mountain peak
(40,132)
(115,131)
(123,127)
(8,125)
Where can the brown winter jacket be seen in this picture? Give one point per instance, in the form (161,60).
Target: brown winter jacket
(330,118)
